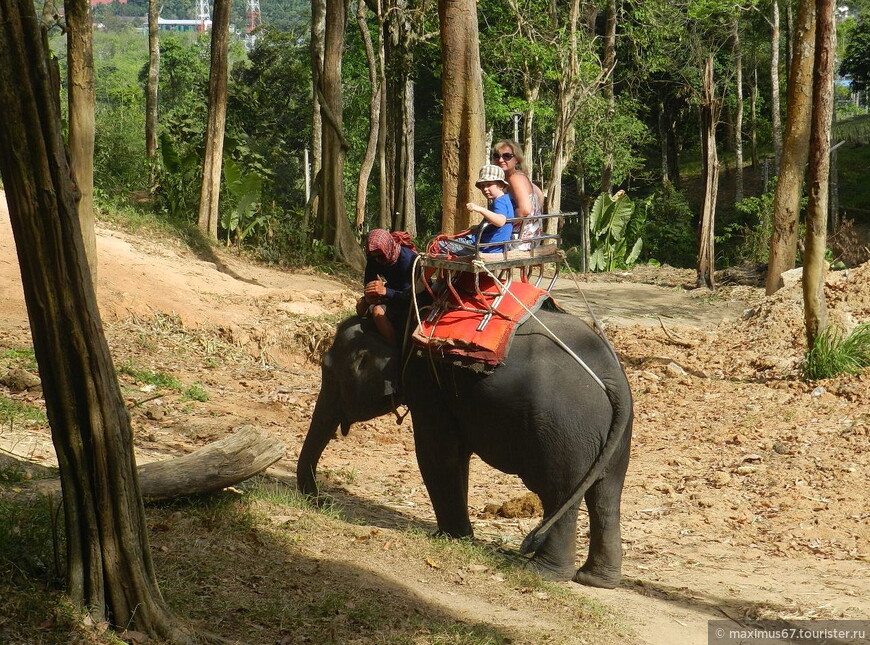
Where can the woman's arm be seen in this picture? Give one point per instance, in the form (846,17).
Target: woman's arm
(521,190)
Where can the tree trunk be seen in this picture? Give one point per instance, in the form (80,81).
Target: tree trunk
(709,117)
(109,570)
(374,120)
(402,33)
(151,90)
(609,64)
(753,119)
(82,105)
(462,128)
(834,180)
(663,141)
(775,109)
(815,311)
(318,28)
(738,115)
(209,469)
(384,217)
(567,106)
(335,229)
(209,196)
(531,91)
(786,202)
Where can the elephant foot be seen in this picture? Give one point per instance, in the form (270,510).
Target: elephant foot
(551,572)
(601,578)
(454,535)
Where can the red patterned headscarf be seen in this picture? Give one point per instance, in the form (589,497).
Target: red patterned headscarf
(390,244)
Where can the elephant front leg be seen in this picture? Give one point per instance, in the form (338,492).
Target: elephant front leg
(444,466)
(603,566)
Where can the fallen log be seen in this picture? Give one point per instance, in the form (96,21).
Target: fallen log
(206,470)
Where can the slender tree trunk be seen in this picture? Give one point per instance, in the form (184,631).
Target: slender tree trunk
(209,196)
(753,119)
(786,201)
(738,115)
(567,106)
(709,117)
(531,91)
(663,141)
(834,180)
(609,64)
(815,311)
(374,120)
(402,32)
(405,217)
(384,218)
(790,37)
(109,570)
(151,90)
(82,106)
(334,225)
(318,27)
(775,110)
(462,128)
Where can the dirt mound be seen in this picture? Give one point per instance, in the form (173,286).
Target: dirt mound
(773,335)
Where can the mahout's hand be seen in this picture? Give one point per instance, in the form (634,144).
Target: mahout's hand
(375,292)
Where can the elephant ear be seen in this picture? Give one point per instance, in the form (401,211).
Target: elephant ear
(375,375)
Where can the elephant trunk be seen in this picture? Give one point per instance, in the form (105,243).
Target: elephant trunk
(324,423)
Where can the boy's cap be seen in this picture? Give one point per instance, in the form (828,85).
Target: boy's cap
(490,173)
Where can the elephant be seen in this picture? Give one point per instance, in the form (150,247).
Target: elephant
(539,414)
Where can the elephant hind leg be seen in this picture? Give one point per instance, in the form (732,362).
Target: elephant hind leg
(603,566)
(554,560)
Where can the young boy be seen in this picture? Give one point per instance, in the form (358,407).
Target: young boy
(492,184)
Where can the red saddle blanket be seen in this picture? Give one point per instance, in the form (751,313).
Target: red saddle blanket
(453,329)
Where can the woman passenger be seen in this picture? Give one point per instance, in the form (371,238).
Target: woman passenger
(527,198)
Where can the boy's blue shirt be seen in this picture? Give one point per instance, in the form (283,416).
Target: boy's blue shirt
(501,206)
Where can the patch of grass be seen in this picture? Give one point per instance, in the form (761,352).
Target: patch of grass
(13,411)
(832,354)
(30,533)
(195,392)
(25,355)
(278,494)
(147,377)
(254,561)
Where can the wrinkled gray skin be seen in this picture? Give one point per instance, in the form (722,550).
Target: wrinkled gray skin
(539,415)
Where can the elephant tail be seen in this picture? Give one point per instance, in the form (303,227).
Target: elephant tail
(621,403)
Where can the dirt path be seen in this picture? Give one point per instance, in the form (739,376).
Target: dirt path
(746,492)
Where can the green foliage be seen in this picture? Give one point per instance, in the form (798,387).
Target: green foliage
(177,190)
(119,147)
(668,234)
(244,189)
(25,357)
(27,539)
(620,135)
(856,61)
(148,377)
(609,231)
(13,411)
(832,354)
(749,239)
(195,392)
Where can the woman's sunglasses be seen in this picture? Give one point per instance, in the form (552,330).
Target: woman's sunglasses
(504,156)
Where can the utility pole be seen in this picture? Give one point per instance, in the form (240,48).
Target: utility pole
(253,21)
(202,14)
